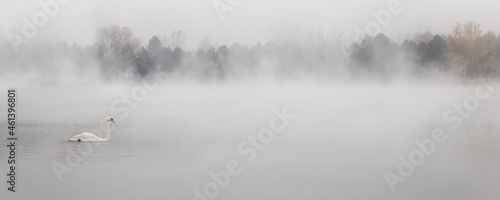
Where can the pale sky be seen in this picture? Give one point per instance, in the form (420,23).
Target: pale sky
(249,22)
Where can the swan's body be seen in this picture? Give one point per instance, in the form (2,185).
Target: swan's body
(89,137)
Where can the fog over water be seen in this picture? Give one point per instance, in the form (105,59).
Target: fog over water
(344,137)
(273,100)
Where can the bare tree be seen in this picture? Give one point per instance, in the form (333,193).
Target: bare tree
(117,47)
(178,39)
(470,50)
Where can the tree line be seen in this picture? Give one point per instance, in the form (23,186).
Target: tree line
(467,52)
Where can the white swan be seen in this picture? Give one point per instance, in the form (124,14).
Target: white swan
(89,137)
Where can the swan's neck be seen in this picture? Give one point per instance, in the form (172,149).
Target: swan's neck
(108,134)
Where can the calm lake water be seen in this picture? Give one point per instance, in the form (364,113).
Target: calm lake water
(340,144)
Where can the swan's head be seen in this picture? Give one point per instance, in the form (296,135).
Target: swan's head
(110,119)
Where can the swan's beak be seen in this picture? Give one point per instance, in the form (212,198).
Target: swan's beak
(112,120)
